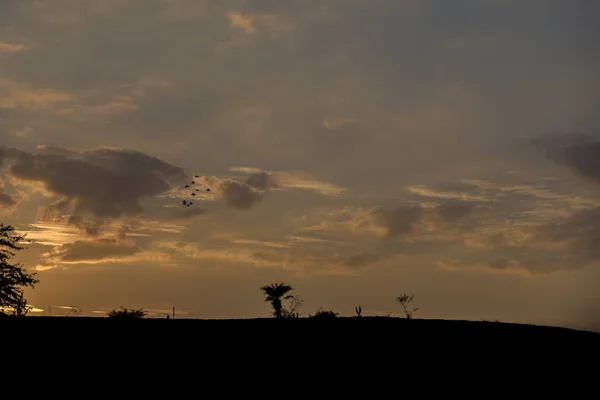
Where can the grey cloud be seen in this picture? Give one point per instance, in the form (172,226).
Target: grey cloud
(103,182)
(89,227)
(579,152)
(6,200)
(239,196)
(261,181)
(320,263)
(501,263)
(96,250)
(358,260)
(453,211)
(186,214)
(585,160)
(8,153)
(581,233)
(212,88)
(396,221)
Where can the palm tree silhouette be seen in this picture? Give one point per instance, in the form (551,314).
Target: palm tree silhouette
(275,293)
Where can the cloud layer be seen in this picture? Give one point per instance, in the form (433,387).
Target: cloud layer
(363,144)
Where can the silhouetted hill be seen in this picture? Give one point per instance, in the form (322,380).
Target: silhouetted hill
(368,357)
(377,353)
(351,328)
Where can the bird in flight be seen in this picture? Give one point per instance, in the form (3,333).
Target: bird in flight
(187,203)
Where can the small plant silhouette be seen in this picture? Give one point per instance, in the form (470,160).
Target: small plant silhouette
(20,307)
(126,313)
(291,311)
(74,311)
(322,314)
(404,301)
(358,311)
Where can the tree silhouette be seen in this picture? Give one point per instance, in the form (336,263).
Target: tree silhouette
(14,278)
(275,294)
(404,301)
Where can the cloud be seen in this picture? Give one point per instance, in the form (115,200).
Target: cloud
(578,233)
(114,107)
(51,234)
(337,123)
(101,250)
(497,266)
(386,222)
(7,202)
(239,196)
(584,160)
(397,221)
(527,228)
(101,182)
(453,211)
(284,180)
(11,48)
(458,191)
(253,23)
(261,181)
(244,193)
(279,255)
(543,231)
(15,96)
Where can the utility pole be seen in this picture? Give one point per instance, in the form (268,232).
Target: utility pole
(173,312)
(49,311)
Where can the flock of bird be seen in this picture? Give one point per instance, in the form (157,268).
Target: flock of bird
(188,203)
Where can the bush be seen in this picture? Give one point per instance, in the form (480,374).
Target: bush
(322,314)
(126,313)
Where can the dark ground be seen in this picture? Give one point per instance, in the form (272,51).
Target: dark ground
(334,331)
(384,354)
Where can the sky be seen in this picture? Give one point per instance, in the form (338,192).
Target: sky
(354,149)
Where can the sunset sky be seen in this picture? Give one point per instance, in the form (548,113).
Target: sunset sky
(355,149)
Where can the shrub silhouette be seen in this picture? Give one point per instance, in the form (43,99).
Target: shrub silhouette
(13,277)
(358,311)
(74,310)
(291,311)
(21,308)
(322,314)
(275,294)
(404,301)
(126,313)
